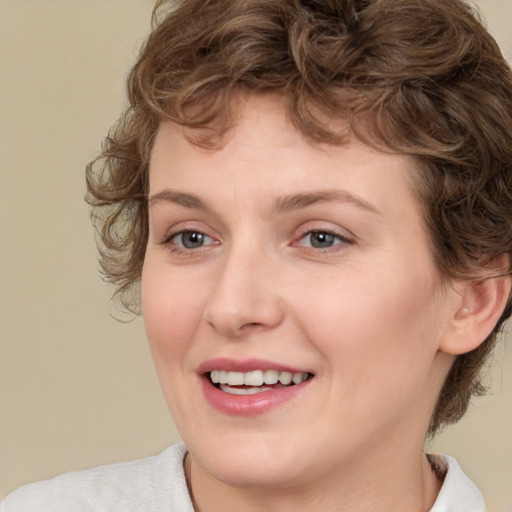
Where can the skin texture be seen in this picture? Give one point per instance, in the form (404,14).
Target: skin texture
(368,315)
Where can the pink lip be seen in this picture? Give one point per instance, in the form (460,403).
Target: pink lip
(245,365)
(247,405)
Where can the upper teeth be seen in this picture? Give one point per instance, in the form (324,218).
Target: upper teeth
(256,377)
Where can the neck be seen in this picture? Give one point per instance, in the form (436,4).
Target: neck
(401,484)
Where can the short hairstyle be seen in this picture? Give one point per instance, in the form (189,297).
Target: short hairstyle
(418,77)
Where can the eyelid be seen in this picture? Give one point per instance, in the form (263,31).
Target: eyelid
(163,233)
(327,232)
(174,233)
(185,231)
(190,226)
(344,240)
(322,227)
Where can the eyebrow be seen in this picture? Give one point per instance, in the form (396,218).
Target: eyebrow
(281,204)
(303,200)
(180,198)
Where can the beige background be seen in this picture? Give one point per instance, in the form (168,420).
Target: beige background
(77,388)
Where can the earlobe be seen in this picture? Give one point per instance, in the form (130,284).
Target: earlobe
(482,304)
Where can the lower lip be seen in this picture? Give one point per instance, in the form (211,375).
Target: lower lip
(250,405)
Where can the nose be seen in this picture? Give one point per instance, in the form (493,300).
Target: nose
(244,297)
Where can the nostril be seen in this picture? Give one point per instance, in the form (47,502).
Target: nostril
(251,325)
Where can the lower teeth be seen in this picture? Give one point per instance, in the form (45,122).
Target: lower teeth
(243,391)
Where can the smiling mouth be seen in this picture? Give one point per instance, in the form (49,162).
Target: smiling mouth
(257,381)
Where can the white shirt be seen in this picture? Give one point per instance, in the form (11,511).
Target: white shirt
(158,484)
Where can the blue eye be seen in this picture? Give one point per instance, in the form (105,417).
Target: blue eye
(191,239)
(321,239)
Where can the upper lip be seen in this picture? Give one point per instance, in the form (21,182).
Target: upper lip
(245,365)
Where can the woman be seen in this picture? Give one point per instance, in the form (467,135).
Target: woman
(315,200)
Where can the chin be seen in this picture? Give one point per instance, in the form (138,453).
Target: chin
(247,474)
(249,463)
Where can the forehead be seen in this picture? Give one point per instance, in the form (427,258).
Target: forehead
(263,146)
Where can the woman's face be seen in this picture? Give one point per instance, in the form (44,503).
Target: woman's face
(273,258)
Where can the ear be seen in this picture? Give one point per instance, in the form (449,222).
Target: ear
(476,314)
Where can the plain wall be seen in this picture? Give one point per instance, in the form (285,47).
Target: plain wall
(77,388)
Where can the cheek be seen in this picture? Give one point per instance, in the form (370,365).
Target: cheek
(380,351)
(171,310)
(374,328)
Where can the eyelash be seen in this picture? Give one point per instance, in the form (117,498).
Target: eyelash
(168,241)
(341,240)
(190,251)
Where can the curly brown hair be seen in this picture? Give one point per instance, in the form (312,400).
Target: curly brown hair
(418,77)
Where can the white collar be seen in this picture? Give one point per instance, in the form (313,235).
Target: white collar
(458,493)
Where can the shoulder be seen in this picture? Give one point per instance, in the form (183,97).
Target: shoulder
(458,492)
(140,485)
